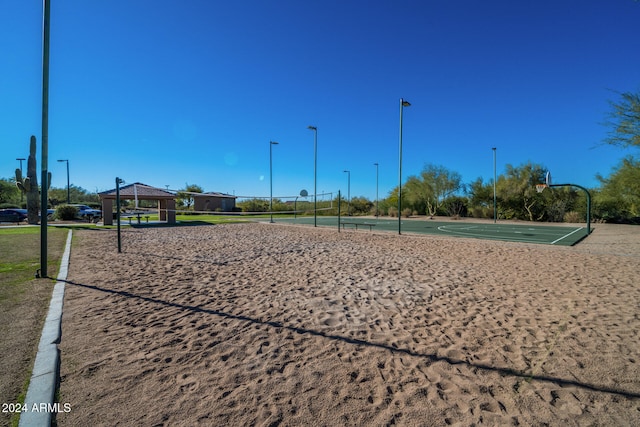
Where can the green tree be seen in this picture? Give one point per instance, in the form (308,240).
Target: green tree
(361,206)
(621,190)
(9,193)
(561,200)
(480,199)
(254,205)
(624,120)
(456,206)
(428,192)
(184,197)
(517,191)
(391,201)
(76,195)
(415,195)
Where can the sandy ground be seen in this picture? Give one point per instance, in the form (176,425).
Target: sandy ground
(264,324)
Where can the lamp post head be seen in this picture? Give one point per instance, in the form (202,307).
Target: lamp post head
(273,142)
(312,127)
(375,164)
(63,160)
(21,158)
(405,103)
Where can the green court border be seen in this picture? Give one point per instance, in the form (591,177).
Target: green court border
(524,233)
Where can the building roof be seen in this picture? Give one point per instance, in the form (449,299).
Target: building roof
(214,194)
(139,191)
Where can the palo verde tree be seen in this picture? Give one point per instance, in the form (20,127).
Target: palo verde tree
(624,121)
(185,197)
(517,192)
(361,205)
(480,196)
(77,194)
(9,193)
(389,203)
(620,192)
(428,192)
(619,195)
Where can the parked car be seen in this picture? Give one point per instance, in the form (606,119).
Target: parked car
(13,215)
(50,213)
(85,212)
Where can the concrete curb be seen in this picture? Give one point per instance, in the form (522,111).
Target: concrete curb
(39,403)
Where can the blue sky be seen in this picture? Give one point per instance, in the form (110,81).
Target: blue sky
(169,93)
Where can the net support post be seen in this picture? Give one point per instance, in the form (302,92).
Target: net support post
(118,182)
(588,201)
(339,196)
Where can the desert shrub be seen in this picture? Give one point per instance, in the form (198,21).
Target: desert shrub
(456,207)
(393,212)
(481,212)
(360,206)
(609,210)
(255,205)
(572,216)
(475,212)
(406,212)
(557,210)
(66,212)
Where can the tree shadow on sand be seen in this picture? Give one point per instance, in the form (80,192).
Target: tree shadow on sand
(526,376)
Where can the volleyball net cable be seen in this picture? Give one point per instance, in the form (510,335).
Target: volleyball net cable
(243,206)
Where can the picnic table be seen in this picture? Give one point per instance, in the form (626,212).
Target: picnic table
(138,216)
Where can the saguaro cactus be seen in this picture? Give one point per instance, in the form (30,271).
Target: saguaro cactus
(29,184)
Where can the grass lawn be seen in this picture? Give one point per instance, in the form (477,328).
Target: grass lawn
(24,301)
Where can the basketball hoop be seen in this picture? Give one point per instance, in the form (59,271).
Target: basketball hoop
(540,187)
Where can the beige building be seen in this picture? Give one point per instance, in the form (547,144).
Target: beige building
(214,202)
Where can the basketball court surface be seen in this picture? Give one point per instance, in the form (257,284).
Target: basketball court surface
(526,233)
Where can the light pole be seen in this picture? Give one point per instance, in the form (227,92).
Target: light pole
(495,210)
(348,192)
(21,193)
(271,144)
(44,193)
(315,174)
(68,196)
(376,165)
(403,104)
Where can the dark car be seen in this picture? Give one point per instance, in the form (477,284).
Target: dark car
(85,212)
(13,215)
(50,213)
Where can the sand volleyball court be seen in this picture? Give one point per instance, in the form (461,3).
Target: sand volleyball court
(266,325)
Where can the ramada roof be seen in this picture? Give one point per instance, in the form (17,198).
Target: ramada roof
(144,191)
(139,190)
